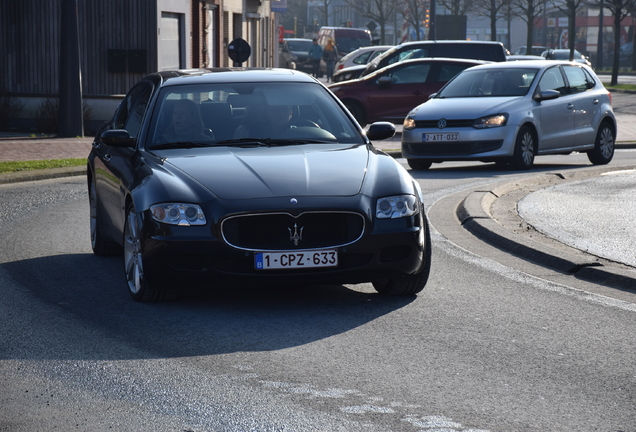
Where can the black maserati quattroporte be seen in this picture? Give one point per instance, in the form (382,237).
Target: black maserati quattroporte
(261,175)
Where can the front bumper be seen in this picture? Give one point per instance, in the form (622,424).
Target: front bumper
(393,247)
(473,144)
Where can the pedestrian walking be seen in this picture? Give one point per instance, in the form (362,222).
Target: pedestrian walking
(330,56)
(315,54)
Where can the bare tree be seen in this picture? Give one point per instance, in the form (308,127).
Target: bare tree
(570,8)
(619,10)
(323,8)
(490,9)
(414,12)
(295,16)
(456,7)
(380,11)
(529,11)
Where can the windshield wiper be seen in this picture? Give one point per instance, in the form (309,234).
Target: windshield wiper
(181,145)
(267,142)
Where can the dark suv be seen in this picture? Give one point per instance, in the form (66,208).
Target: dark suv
(475,50)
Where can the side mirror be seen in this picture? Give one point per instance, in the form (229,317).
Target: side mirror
(117,138)
(380,131)
(385,81)
(546,95)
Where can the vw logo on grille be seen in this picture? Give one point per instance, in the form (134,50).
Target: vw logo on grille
(441,123)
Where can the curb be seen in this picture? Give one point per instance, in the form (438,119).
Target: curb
(479,214)
(45,174)
(397,154)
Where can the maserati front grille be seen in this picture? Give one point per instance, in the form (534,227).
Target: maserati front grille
(283,231)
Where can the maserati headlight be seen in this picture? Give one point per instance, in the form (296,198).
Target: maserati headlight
(178,214)
(492,121)
(409,123)
(394,207)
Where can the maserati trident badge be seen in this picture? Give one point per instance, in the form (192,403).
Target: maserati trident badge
(296,235)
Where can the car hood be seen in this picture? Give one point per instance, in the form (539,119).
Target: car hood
(301,170)
(462,108)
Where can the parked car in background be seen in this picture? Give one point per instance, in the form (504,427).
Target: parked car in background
(520,57)
(536,50)
(477,50)
(208,177)
(351,65)
(361,56)
(564,54)
(293,54)
(511,112)
(349,73)
(626,54)
(390,93)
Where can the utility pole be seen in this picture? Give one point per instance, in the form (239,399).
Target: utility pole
(70,117)
(431,25)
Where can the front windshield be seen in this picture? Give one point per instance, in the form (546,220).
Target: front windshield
(490,82)
(187,116)
(346,44)
(304,46)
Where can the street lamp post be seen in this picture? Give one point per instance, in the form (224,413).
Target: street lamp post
(431,23)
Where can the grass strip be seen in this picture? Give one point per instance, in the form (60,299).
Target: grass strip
(621,86)
(17,166)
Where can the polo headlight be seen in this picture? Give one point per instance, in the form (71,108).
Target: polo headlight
(409,123)
(491,121)
(398,206)
(178,214)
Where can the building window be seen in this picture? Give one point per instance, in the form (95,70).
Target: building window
(171,41)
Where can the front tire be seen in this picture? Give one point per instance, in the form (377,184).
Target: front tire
(412,284)
(136,279)
(525,148)
(419,164)
(603,151)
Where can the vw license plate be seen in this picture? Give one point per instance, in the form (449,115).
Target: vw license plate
(295,259)
(440,137)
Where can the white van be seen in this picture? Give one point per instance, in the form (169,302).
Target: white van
(346,39)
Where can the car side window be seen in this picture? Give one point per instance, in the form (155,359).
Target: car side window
(375,54)
(552,79)
(411,54)
(449,70)
(133,108)
(411,74)
(362,58)
(577,79)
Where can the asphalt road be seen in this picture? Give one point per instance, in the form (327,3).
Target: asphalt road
(489,345)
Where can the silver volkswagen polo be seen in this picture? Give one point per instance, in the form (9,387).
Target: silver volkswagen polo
(511,112)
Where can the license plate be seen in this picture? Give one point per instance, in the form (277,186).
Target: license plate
(295,259)
(440,137)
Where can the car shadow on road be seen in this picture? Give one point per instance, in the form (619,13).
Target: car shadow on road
(223,319)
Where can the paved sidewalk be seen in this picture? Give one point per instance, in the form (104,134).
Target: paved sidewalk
(21,148)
